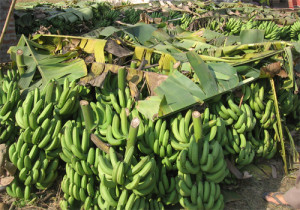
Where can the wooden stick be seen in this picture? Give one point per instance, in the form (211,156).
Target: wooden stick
(12,6)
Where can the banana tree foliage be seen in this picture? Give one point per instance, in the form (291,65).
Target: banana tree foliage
(189,68)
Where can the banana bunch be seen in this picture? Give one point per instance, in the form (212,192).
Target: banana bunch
(186,20)
(230,179)
(272,31)
(266,148)
(132,16)
(7,132)
(294,115)
(9,101)
(214,128)
(115,127)
(158,15)
(207,158)
(166,187)
(139,178)
(9,96)
(295,29)
(156,139)
(196,194)
(111,14)
(240,118)
(17,189)
(240,144)
(127,38)
(246,153)
(126,200)
(175,15)
(264,113)
(233,26)
(40,126)
(284,32)
(11,75)
(287,100)
(33,164)
(213,25)
(249,25)
(76,150)
(78,188)
(113,94)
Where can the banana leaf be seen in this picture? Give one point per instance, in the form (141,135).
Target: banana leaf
(250,36)
(207,81)
(37,57)
(175,93)
(289,67)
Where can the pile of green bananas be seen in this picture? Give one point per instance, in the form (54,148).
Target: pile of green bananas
(177,159)
(156,139)
(35,153)
(250,127)
(295,29)
(249,25)
(9,101)
(108,18)
(197,194)
(272,31)
(132,16)
(34,169)
(215,25)
(186,20)
(289,107)
(233,26)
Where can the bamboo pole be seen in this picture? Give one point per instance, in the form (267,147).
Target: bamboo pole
(12,6)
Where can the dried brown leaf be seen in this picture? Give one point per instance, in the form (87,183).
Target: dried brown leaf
(272,69)
(274,172)
(4,181)
(134,91)
(153,80)
(3,149)
(114,48)
(10,168)
(234,170)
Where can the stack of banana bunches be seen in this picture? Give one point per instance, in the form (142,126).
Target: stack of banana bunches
(176,160)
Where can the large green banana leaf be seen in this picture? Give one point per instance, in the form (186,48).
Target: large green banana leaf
(37,57)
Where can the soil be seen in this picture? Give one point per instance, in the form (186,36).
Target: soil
(49,1)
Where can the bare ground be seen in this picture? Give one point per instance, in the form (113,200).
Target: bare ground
(49,1)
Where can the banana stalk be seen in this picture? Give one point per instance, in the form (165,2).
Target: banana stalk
(133,131)
(279,125)
(121,79)
(133,64)
(295,153)
(87,115)
(197,125)
(20,61)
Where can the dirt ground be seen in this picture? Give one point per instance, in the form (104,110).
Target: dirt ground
(50,1)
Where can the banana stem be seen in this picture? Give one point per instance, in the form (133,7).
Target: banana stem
(87,115)
(283,154)
(197,125)
(133,131)
(103,146)
(133,64)
(20,61)
(121,79)
(294,150)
